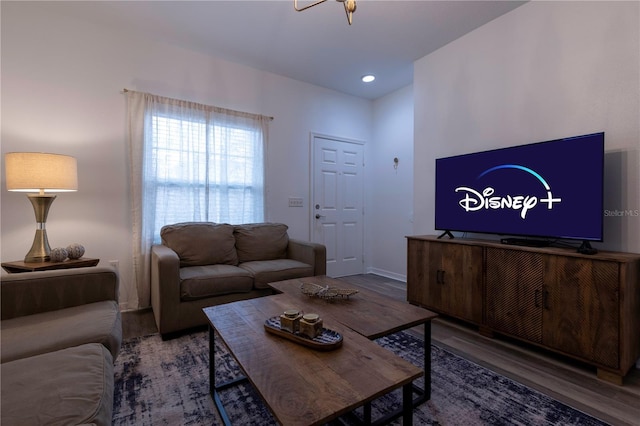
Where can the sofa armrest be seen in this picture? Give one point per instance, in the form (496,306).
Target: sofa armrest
(313,254)
(29,293)
(165,285)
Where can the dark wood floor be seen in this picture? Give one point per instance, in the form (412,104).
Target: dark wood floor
(561,378)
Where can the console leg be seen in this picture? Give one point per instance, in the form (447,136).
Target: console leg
(616,379)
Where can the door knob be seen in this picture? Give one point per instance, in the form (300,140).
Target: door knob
(318,216)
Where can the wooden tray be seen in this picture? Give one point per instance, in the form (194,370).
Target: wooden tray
(328,340)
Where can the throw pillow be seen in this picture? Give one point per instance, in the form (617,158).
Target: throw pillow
(201,243)
(261,241)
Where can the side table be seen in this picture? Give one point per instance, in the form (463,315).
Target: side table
(20,266)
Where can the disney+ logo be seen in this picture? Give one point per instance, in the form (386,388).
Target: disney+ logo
(475,200)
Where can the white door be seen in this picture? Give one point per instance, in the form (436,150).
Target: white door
(337,203)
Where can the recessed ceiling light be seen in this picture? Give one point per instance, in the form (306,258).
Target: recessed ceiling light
(368,78)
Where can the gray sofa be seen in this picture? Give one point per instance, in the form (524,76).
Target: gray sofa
(202,264)
(60,334)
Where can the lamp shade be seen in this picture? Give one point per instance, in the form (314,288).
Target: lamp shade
(40,172)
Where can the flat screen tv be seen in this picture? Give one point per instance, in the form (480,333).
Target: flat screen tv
(549,190)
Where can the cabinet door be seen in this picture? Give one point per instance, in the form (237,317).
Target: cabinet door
(582,310)
(446,277)
(417,271)
(514,283)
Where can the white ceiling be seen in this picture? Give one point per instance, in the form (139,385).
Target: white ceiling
(316,46)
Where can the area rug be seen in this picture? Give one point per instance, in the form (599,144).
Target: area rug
(167,383)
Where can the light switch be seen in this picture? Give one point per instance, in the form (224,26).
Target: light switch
(295,202)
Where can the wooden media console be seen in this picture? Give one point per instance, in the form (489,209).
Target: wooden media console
(586,307)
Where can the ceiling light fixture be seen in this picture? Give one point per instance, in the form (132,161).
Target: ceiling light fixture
(349,7)
(368,78)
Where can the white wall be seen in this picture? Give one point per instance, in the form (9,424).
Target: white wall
(543,71)
(62,82)
(390,214)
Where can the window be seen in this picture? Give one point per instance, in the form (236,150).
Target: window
(189,162)
(206,172)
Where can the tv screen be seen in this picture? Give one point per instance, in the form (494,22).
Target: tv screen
(550,189)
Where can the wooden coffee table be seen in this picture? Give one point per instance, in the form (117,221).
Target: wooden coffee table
(298,384)
(368,313)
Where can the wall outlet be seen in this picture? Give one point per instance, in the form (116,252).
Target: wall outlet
(115,264)
(295,202)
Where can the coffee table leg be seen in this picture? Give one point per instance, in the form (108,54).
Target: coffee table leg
(407,405)
(427,360)
(367,414)
(212,379)
(408,402)
(212,362)
(425,393)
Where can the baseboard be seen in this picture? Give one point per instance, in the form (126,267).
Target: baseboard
(387,274)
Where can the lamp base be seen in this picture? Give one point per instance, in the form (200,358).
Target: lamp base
(40,250)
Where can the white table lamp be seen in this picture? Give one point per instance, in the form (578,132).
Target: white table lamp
(39,174)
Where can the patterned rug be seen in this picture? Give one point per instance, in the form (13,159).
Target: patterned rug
(167,383)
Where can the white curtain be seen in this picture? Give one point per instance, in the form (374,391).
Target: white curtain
(190,162)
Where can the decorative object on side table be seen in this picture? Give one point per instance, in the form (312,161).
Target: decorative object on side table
(75,251)
(326,292)
(325,339)
(58,254)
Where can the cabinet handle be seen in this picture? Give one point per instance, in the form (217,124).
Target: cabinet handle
(536,298)
(442,277)
(439,276)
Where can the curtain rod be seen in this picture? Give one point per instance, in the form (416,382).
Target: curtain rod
(125,90)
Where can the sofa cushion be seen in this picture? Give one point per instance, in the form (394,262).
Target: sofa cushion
(67,387)
(268,271)
(261,241)
(197,282)
(98,322)
(201,243)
